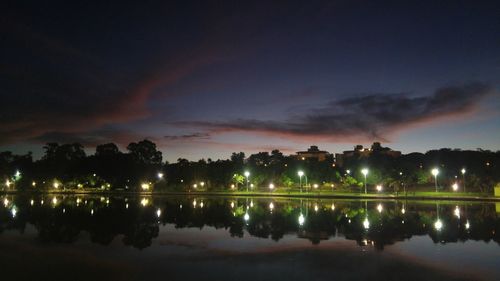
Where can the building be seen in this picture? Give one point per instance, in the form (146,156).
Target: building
(313,153)
(359,151)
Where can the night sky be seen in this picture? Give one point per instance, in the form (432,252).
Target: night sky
(206,78)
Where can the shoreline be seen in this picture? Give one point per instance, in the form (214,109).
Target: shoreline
(308,195)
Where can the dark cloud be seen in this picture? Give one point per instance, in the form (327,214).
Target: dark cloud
(52,88)
(370,116)
(203,136)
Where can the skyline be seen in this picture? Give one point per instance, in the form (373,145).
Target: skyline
(203,80)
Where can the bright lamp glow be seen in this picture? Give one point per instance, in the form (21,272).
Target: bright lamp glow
(455,186)
(435,172)
(364,171)
(300,173)
(247,174)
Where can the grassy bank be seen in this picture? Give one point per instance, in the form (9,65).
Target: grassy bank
(415,195)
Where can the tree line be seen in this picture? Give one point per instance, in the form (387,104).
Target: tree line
(141,167)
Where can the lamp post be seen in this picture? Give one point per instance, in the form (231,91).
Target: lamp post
(463,177)
(364,171)
(435,173)
(247,174)
(300,173)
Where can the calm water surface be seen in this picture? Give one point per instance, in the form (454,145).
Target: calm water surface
(47,237)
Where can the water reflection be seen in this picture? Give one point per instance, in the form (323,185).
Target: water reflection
(139,219)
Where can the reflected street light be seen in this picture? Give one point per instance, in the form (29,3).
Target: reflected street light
(366,223)
(364,171)
(435,173)
(301,219)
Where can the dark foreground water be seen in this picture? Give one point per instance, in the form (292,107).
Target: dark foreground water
(198,238)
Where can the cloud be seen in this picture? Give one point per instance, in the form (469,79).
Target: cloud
(49,87)
(204,136)
(370,117)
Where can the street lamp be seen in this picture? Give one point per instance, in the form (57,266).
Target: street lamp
(300,173)
(364,171)
(435,173)
(160,176)
(454,186)
(247,174)
(463,177)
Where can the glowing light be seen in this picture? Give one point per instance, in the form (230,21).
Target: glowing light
(126,206)
(463,171)
(380,208)
(13,211)
(17,174)
(232,186)
(467,225)
(55,185)
(195,185)
(202,184)
(271,186)
(379,188)
(271,206)
(364,171)
(435,172)
(302,219)
(251,204)
(194,203)
(403,211)
(145,186)
(92,212)
(300,173)
(158,212)
(251,185)
(457,212)
(366,223)
(246,217)
(160,176)
(438,225)
(5,202)
(144,202)
(315,185)
(315,207)
(232,204)
(7,183)
(201,204)
(455,186)
(54,200)
(333,207)
(33,183)
(348,172)
(247,174)
(32,202)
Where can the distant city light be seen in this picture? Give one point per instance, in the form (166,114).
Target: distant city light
(160,176)
(145,186)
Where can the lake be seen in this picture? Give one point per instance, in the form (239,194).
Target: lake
(56,237)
